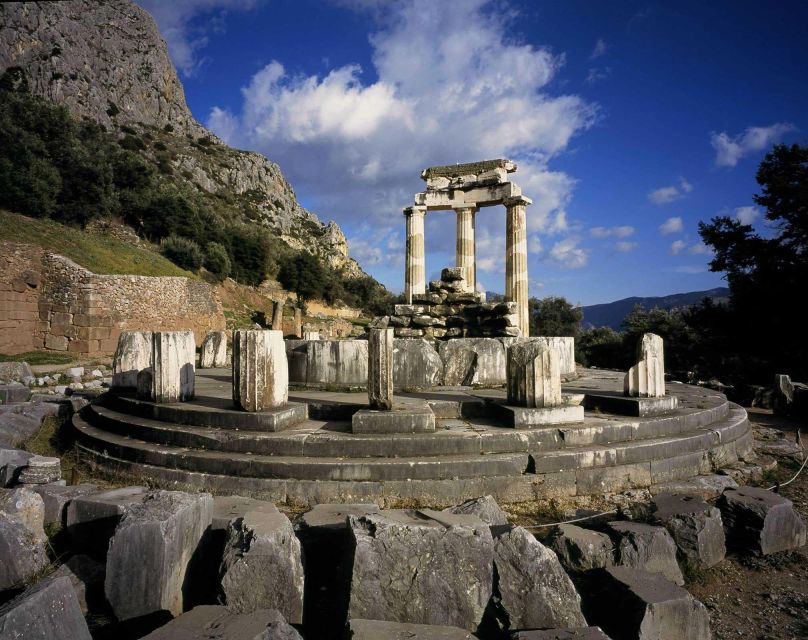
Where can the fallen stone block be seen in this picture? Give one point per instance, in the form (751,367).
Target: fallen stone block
(87,578)
(22,554)
(696,528)
(27,508)
(14,393)
(707,487)
(91,520)
(485,508)
(262,566)
(150,552)
(335,516)
(643,546)
(47,611)
(214,622)
(631,603)
(378,629)
(57,496)
(14,371)
(16,428)
(760,521)
(410,567)
(580,549)
(534,590)
(578,633)
(12,462)
(41,470)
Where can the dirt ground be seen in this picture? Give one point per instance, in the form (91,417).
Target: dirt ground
(763,598)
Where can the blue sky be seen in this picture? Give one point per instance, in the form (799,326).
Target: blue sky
(630,121)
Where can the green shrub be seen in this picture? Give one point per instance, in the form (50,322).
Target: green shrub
(217,260)
(183,252)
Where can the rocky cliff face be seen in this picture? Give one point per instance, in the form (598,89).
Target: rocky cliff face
(105,60)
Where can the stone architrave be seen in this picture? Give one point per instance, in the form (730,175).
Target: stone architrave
(260,370)
(466,248)
(534,375)
(380,369)
(214,350)
(133,355)
(516,289)
(173,356)
(415,274)
(646,379)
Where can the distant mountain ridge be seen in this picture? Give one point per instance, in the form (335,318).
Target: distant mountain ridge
(611,314)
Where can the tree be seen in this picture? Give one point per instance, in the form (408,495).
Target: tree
(305,276)
(767,273)
(554,316)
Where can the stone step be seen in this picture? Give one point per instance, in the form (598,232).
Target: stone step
(318,439)
(298,467)
(396,466)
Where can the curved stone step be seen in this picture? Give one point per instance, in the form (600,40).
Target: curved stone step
(298,467)
(476,436)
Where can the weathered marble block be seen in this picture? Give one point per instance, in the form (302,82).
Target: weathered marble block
(533,375)
(133,355)
(260,370)
(646,379)
(380,369)
(173,357)
(214,351)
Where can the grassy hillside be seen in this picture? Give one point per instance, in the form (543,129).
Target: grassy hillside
(99,254)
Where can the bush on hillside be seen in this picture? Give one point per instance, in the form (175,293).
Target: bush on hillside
(182,252)
(217,261)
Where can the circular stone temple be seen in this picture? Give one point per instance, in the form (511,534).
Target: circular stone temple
(448,399)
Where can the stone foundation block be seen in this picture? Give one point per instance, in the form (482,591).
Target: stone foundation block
(760,521)
(87,578)
(377,629)
(580,549)
(91,519)
(577,633)
(22,553)
(48,610)
(56,497)
(528,417)
(150,552)
(12,462)
(696,528)
(262,566)
(214,622)
(534,590)
(409,567)
(485,508)
(643,546)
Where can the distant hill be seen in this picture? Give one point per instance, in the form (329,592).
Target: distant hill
(611,314)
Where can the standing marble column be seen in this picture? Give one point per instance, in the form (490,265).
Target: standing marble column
(466,249)
(173,359)
(380,369)
(415,269)
(516,259)
(260,370)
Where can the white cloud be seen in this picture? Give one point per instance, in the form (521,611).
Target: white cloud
(612,232)
(665,195)
(566,253)
(449,84)
(747,215)
(534,244)
(730,149)
(599,50)
(700,249)
(676,247)
(175,19)
(596,74)
(671,225)
(624,246)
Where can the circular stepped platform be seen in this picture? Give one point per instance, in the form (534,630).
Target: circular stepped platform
(307,454)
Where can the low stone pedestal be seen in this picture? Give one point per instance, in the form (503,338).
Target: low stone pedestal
(527,417)
(631,406)
(260,370)
(401,419)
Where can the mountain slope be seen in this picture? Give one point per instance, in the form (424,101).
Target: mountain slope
(611,314)
(105,60)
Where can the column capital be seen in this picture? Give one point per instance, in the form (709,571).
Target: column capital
(468,205)
(517,200)
(417,210)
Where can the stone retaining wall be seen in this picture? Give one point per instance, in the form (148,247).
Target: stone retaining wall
(49,302)
(418,363)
